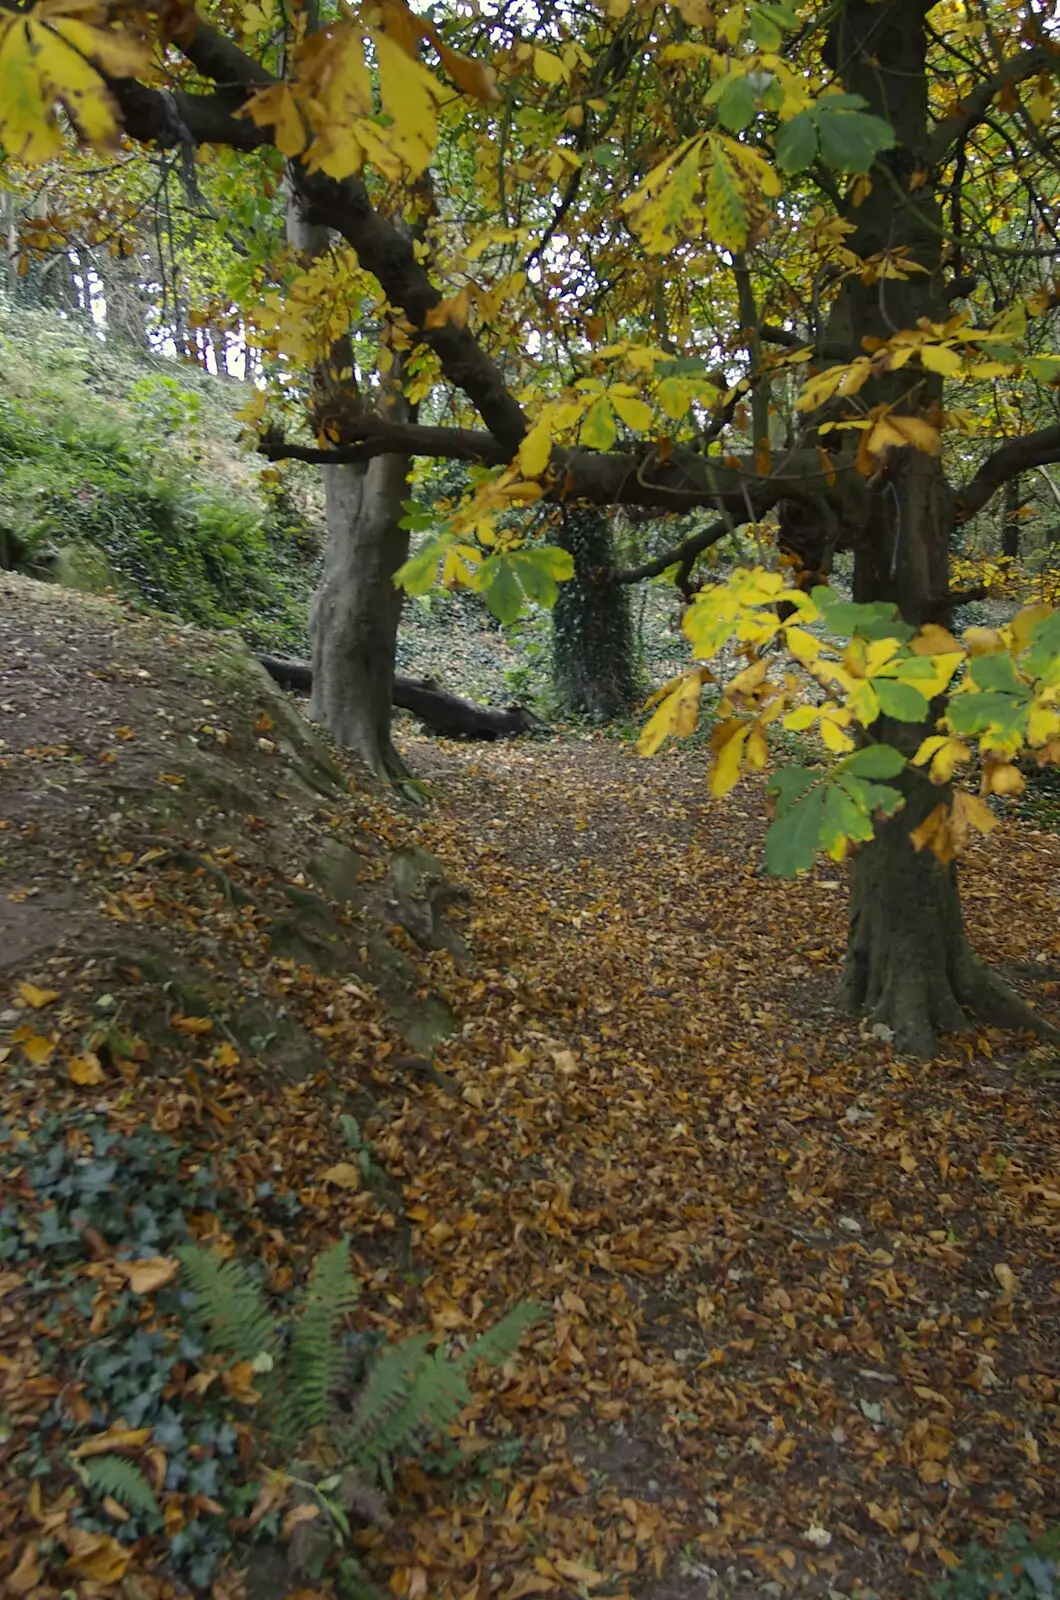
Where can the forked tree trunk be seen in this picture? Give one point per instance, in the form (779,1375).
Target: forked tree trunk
(354,618)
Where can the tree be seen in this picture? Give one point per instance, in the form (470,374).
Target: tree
(592,630)
(688,260)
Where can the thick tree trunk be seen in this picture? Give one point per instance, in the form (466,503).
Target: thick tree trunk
(354,619)
(592,630)
(908,962)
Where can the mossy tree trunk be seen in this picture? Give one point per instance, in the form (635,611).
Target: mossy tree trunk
(592,628)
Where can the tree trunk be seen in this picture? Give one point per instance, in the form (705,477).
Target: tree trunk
(592,630)
(354,618)
(1010,523)
(908,961)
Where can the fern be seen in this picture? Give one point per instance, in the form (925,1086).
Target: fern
(502,1340)
(231,1303)
(317,1362)
(412,1390)
(123,1481)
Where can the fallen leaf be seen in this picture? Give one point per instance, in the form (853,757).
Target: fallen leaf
(96,1556)
(85,1070)
(37,997)
(345,1174)
(27,1575)
(114,1441)
(152,1273)
(296,1515)
(38,1050)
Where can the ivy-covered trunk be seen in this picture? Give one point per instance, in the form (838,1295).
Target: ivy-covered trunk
(908,962)
(592,630)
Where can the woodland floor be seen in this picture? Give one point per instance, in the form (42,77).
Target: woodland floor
(802,1296)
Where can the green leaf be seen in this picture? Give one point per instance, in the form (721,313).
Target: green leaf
(1042,652)
(767,25)
(850,140)
(418,573)
(871,798)
(736,104)
(900,700)
(974,713)
(874,619)
(796,143)
(842,818)
(497,583)
(598,426)
(996,672)
(875,761)
(788,783)
(540,569)
(726,213)
(791,843)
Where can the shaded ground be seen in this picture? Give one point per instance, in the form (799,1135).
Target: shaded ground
(802,1294)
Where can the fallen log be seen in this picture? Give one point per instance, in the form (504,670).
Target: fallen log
(446,714)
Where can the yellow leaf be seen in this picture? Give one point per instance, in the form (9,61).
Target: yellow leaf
(915,431)
(549,68)
(941,358)
(983,641)
(971,812)
(634,413)
(153,1272)
(1005,1276)
(38,1050)
(676,715)
(834,736)
(1001,777)
(97,1556)
(726,213)
(408,92)
(85,1070)
(536,448)
(194,1025)
(933,640)
(37,997)
(944,753)
(344,1174)
(803,646)
(277,108)
(114,1440)
(579,1573)
(728,761)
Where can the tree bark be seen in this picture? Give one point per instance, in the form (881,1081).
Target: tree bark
(353,622)
(908,961)
(592,630)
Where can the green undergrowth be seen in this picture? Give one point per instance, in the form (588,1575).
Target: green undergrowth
(121,469)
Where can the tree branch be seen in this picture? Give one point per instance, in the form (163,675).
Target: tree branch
(1012,458)
(975,106)
(793,341)
(378,437)
(681,555)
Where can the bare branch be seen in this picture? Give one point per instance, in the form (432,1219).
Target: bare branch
(1012,458)
(681,555)
(975,106)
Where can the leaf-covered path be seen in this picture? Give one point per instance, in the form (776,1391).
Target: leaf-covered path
(806,1293)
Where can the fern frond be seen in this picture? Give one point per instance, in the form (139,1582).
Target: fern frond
(386,1389)
(502,1340)
(231,1304)
(317,1362)
(123,1481)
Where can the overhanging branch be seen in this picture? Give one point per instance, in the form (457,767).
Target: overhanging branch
(379,437)
(681,555)
(975,105)
(1007,462)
